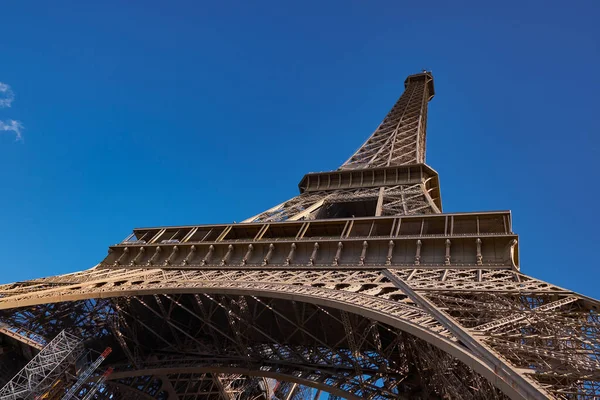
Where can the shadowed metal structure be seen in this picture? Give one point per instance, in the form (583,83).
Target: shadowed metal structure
(359,287)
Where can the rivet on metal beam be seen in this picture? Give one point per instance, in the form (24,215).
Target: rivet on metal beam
(313,256)
(248,254)
(225,259)
(338,253)
(447,257)
(190,255)
(172,255)
(479,256)
(418,253)
(155,256)
(363,253)
(269,254)
(390,253)
(290,257)
(209,254)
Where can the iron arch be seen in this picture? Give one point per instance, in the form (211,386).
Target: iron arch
(340,300)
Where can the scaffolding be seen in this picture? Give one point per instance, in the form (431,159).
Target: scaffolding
(85,375)
(41,373)
(98,384)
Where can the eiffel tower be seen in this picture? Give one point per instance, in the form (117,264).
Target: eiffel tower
(359,287)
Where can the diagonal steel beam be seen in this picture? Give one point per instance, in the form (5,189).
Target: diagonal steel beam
(521,316)
(526,388)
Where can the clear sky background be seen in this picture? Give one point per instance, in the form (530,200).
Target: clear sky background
(145,113)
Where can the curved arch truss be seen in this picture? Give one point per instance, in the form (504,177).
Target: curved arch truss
(387,333)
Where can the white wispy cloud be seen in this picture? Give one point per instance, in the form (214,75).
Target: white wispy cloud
(6,95)
(11,125)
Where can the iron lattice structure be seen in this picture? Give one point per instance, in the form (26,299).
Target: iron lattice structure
(360,287)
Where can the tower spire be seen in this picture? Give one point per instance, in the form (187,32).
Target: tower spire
(387,175)
(400,138)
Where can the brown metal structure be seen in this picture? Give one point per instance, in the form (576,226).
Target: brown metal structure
(360,287)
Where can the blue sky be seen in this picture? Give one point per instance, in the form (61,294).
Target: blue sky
(185,112)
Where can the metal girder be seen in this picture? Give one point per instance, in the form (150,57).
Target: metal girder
(299,380)
(521,316)
(350,284)
(312,205)
(525,387)
(23,335)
